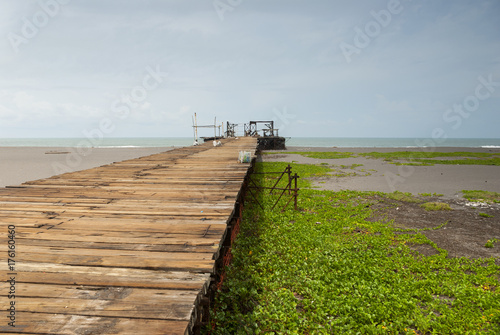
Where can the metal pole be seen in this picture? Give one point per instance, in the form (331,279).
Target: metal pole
(289,171)
(296,190)
(195,128)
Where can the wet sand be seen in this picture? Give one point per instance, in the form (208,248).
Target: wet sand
(21,164)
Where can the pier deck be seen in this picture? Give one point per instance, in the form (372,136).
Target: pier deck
(126,248)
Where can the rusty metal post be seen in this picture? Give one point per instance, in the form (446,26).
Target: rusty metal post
(289,171)
(296,191)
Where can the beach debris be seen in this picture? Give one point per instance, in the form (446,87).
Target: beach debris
(244,156)
(476,204)
(56,152)
(479,204)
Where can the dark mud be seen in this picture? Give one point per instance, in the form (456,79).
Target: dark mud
(462,231)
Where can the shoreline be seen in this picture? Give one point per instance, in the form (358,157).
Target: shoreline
(21,164)
(323,142)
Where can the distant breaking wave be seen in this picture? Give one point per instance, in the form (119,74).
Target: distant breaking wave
(339,142)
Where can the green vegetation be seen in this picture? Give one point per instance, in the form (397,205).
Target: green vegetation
(326,269)
(436,206)
(423,154)
(415,158)
(482,196)
(352,166)
(341,174)
(416,230)
(430,195)
(465,161)
(402,196)
(321,155)
(431,158)
(304,171)
(485,215)
(491,243)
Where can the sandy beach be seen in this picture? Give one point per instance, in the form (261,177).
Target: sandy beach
(21,164)
(379,175)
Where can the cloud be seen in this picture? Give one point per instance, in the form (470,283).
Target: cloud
(19,107)
(264,55)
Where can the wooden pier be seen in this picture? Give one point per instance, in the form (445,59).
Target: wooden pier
(126,248)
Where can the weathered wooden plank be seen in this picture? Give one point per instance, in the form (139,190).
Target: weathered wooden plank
(152,204)
(124,181)
(174,261)
(106,301)
(62,215)
(99,198)
(57,234)
(130,194)
(43,323)
(174,246)
(170,186)
(222,210)
(180,225)
(62,274)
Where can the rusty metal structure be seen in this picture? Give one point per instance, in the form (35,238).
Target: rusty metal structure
(290,188)
(267,136)
(231,129)
(252,129)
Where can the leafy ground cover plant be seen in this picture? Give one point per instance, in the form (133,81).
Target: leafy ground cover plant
(430,195)
(328,269)
(491,243)
(481,196)
(402,196)
(431,158)
(318,154)
(416,158)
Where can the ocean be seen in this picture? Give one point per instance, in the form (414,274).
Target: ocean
(340,142)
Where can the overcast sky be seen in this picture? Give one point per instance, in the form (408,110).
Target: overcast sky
(141,68)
